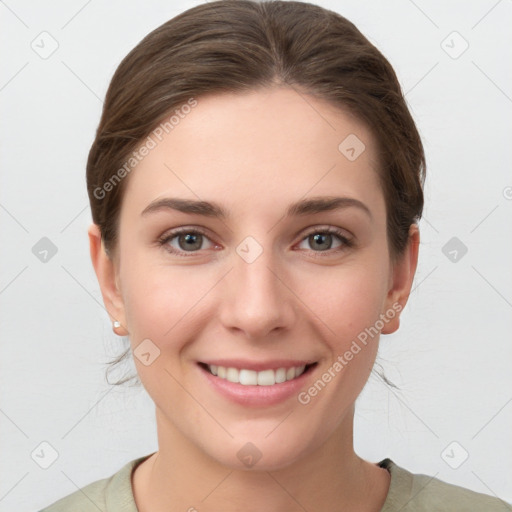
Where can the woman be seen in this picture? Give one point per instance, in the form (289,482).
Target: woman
(256,183)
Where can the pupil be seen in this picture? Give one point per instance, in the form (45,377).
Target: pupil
(191,241)
(319,238)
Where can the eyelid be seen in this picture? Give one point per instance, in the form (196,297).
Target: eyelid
(328,229)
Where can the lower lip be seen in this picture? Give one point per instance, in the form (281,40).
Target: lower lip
(256,396)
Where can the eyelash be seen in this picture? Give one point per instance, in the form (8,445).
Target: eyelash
(166,238)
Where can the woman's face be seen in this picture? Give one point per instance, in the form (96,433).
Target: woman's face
(264,287)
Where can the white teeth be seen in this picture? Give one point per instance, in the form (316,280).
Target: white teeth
(253,378)
(266,378)
(248,377)
(232,375)
(280,375)
(299,370)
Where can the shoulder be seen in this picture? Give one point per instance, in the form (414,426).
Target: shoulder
(88,498)
(110,494)
(410,492)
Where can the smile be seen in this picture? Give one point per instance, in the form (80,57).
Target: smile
(257,384)
(248,377)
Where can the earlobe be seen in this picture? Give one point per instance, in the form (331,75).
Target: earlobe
(402,277)
(105,270)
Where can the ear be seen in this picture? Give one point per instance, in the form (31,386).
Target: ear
(106,272)
(400,282)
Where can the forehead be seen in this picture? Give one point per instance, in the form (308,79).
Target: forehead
(258,149)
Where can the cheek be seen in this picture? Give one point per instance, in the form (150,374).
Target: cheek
(346,299)
(158,298)
(161,306)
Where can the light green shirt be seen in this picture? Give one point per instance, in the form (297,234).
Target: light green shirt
(408,492)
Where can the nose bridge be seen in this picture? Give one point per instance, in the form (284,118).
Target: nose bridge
(257,280)
(258,301)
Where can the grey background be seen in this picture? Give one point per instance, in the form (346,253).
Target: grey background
(452,355)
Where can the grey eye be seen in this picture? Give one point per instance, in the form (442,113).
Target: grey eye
(321,241)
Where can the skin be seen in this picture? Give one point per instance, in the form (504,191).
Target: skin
(254,154)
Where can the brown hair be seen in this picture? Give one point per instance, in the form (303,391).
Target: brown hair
(242,45)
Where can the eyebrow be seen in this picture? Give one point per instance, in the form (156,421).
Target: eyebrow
(303,207)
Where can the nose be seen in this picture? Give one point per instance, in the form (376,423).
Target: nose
(256,298)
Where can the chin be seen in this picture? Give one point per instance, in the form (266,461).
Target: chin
(260,454)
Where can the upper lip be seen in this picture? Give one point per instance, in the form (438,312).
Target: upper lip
(258,366)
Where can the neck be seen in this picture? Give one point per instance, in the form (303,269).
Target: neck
(181,477)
